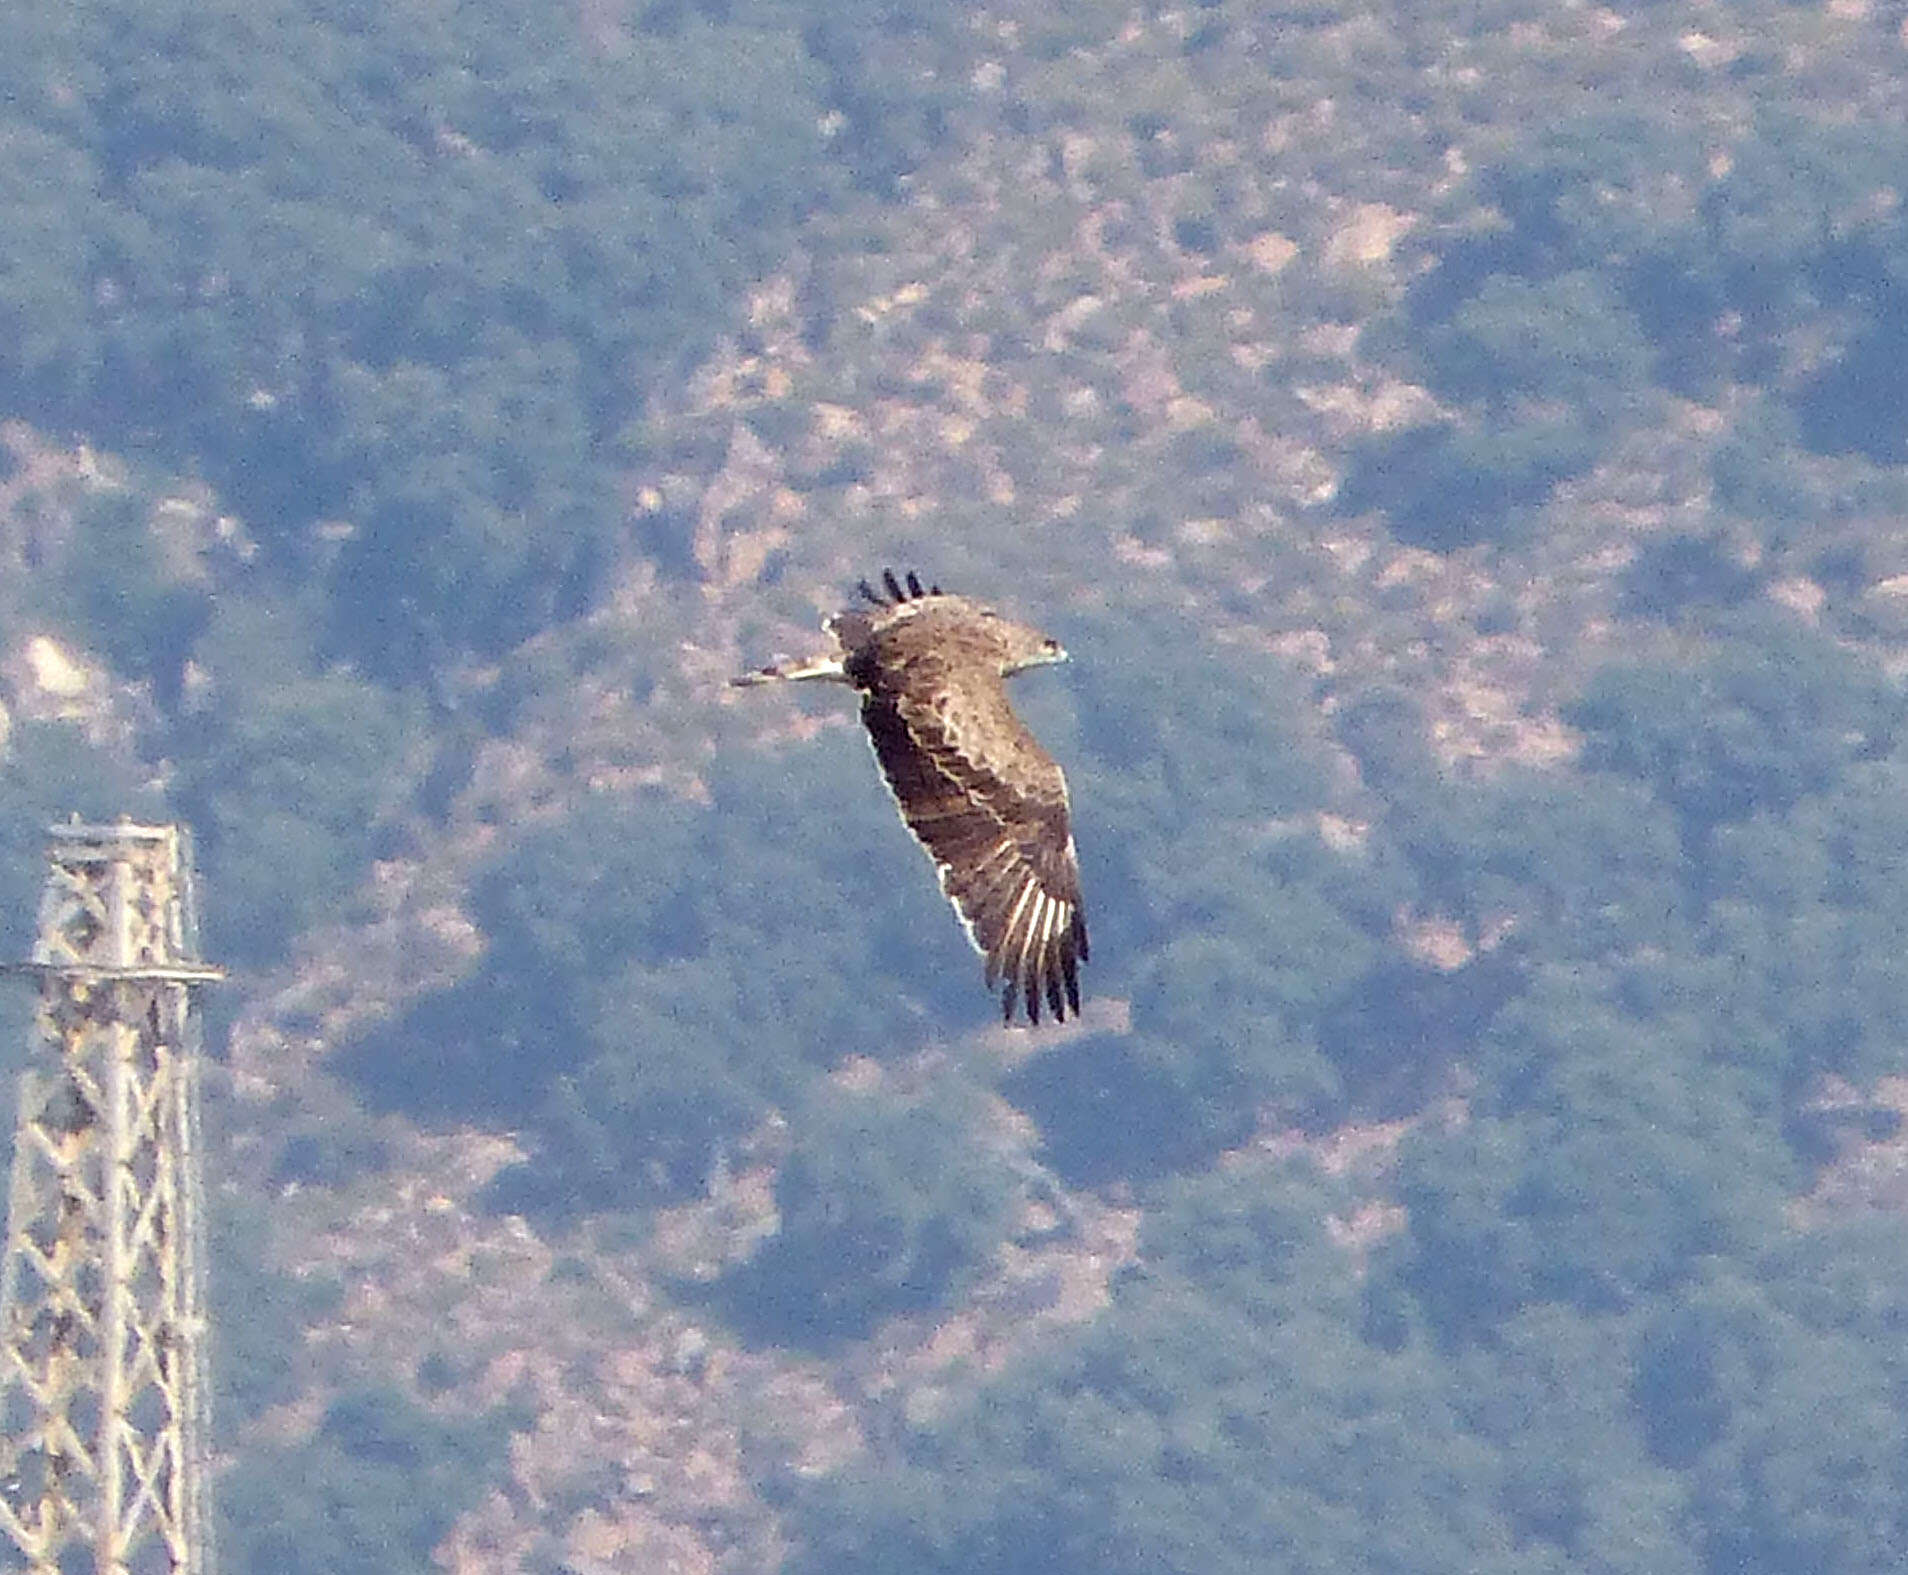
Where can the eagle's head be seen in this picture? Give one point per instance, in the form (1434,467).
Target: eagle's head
(1023,647)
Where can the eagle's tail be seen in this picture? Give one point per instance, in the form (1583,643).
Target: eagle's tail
(826,669)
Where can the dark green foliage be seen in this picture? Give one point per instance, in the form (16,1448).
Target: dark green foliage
(1795,224)
(330,1153)
(879,57)
(1584,228)
(411,286)
(1782,1398)
(1798,222)
(1218,1416)
(377,1488)
(260,1315)
(1766,721)
(1564,340)
(592,972)
(1395,1034)
(291,787)
(1386,733)
(1133,1106)
(1794,217)
(1586,274)
(1546,1403)
(142,619)
(1852,407)
(1674,574)
(636,951)
(1197,231)
(1250,933)
(1524,329)
(1241,998)
(1595,1340)
(1447,485)
(888,1204)
(44,249)
(1598,1171)
(389,266)
(657,1111)
(1812,915)
(1580,867)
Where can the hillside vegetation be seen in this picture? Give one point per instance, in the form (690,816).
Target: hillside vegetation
(1462,447)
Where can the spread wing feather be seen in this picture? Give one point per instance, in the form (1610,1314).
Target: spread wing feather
(990,806)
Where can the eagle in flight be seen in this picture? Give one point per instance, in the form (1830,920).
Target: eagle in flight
(979,793)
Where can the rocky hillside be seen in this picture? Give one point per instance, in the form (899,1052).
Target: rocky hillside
(1445,438)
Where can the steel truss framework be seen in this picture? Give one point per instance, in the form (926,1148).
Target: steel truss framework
(103,1427)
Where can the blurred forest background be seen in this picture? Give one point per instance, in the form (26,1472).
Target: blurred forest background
(1465,447)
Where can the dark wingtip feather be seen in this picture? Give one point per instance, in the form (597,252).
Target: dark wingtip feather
(867,590)
(894,585)
(914,584)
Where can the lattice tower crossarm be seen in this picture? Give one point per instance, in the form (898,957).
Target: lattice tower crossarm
(103,1386)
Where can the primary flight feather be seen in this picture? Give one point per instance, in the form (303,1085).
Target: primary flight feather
(974,786)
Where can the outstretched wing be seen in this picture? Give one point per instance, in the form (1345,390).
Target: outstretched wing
(990,806)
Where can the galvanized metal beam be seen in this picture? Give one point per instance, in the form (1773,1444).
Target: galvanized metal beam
(103,1385)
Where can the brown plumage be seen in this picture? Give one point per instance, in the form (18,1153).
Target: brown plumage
(973,785)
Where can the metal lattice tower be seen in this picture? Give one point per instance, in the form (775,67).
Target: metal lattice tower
(103,1427)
